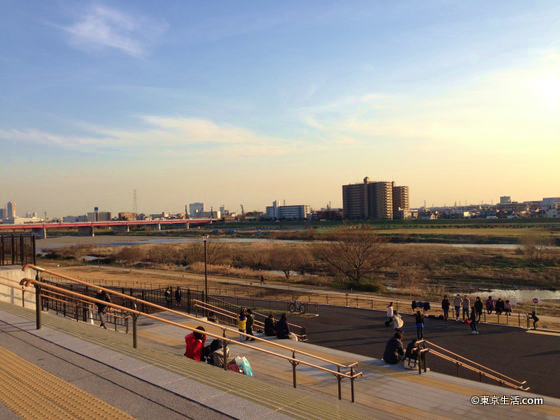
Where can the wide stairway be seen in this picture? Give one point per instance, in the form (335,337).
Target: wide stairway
(74,369)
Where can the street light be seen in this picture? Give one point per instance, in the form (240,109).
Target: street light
(205,239)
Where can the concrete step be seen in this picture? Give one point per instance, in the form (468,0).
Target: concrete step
(268,393)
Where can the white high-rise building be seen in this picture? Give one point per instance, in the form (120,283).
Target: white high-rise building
(196,209)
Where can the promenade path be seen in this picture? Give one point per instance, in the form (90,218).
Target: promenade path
(95,360)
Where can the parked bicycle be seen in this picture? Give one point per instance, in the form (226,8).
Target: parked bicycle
(297,306)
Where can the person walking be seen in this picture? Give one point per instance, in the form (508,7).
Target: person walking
(478,308)
(168,297)
(419,325)
(466,306)
(262,280)
(242,323)
(249,325)
(445,306)
(535,318)
(178,296)
(101,308)
(457,303)
(390,313)
(474,329)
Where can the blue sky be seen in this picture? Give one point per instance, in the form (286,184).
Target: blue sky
(246,102)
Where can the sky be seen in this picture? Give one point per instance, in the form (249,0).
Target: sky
(231,103)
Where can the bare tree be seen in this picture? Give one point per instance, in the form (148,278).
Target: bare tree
(216,252)
(288,260)
(536,247)
(355,253)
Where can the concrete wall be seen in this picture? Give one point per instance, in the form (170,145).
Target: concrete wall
(14,296)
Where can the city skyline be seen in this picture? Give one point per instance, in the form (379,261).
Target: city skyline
(242,103)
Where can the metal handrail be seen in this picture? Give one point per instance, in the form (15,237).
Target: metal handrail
(13,281)
(113,314)
(467,363)
(255,312)
(220,311)
(233,315)
(223,311)
(480,372)
(475,363)
(352,375)
(162,308)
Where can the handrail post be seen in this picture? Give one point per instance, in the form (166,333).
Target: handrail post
(134,331)
(352,382)
(294,364)
(339,378)
(38,306)
(224,349)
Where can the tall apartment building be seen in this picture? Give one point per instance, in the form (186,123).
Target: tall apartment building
(11,210)
(401,202)
(372,200)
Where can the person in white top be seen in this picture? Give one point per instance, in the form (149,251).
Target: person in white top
(389,314)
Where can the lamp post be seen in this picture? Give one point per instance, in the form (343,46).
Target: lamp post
(205,239)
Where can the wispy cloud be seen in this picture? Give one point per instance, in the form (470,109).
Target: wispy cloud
(102,27)
(167,135)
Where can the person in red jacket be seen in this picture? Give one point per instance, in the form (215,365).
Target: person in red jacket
(195,343)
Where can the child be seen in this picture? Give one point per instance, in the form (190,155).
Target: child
(535,319)
(419,325)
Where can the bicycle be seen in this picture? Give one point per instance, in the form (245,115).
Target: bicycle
(297,306)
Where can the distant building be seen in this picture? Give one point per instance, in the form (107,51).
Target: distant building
(329,214)
(23,220)
(298,212)
(195,209)
(213,214)
(31,215)
(2,214)
(371,200)
(295,212)
(272,212)
(128,216)
(551,201)
(11,210)
(506,199)
(99,216)
(401,202)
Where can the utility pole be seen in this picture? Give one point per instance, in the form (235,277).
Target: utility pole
(205,239)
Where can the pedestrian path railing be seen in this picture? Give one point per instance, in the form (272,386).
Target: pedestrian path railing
(296,329)
(343,371)
(462,362)
(223,315)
